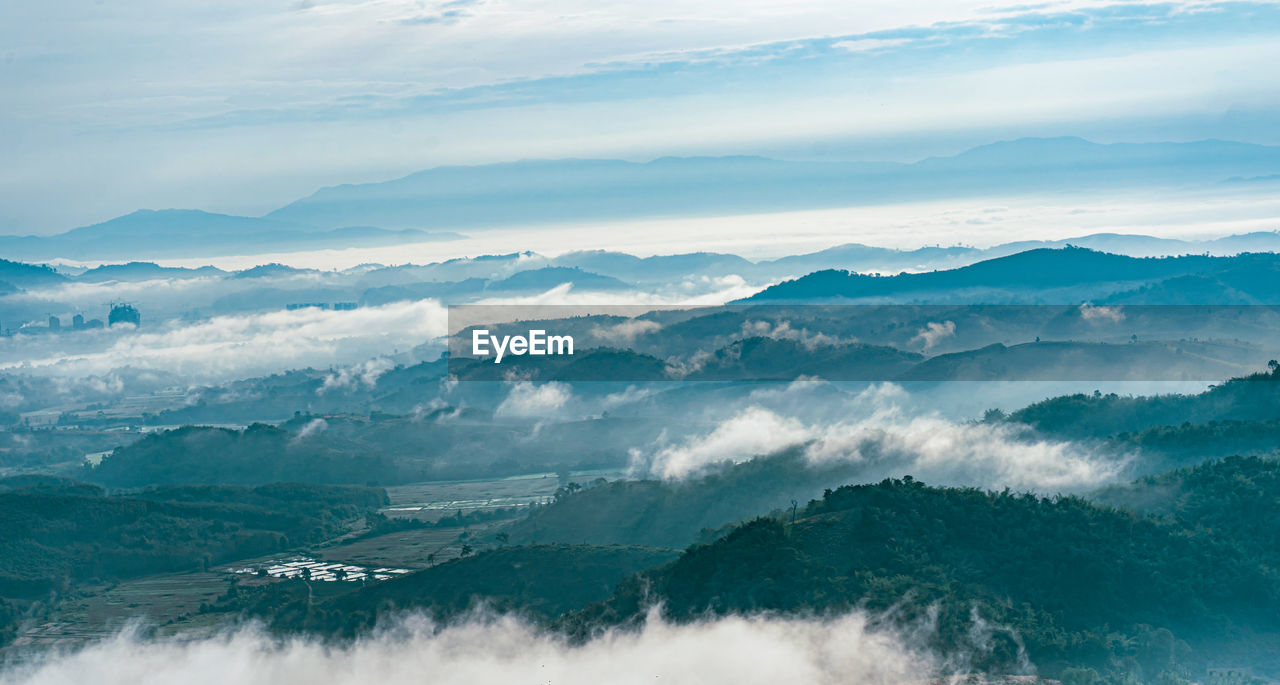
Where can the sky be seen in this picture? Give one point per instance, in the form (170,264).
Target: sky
(240,106)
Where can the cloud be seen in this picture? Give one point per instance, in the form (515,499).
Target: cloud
(869,44)
(528,399)
(447,13)
(631,395)
(312,427)
(934,332)
(228,347)
(625,333)
(948,453)
(875,431)
(844,649)
(366,374)
(383,82)
(1110,314)
(754,432)
(782,330)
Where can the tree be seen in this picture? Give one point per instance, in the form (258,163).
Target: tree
(1079,676)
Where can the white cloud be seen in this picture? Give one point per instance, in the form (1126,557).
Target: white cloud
(528,399)
(782,330)
(845,649)
(869,44)
(228,347)
(754,432)
(312,427)
(874,430)
(625,333)
(943,452)
(365,374)
(934,332)
(631,395)
(1110,314)
(343,102)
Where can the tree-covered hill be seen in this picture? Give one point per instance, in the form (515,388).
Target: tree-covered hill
(1236,500)
(259,454)
(1079,584)
(441,444)
(56,536)
(679,512)
(28,275)
(1252,398)
(1200,279)
(537,581)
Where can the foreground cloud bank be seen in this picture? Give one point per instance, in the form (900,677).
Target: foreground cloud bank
(505,650)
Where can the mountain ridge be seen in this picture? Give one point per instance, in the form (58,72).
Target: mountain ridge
(418,206)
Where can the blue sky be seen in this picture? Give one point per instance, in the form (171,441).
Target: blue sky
(242,105)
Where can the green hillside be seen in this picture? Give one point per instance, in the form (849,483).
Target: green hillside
(1079,584)
(539,581)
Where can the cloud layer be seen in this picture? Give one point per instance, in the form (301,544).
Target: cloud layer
(153,104)
(876,430)
(505,650)
(228,347)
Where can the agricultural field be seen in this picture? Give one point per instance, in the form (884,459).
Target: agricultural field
(166,604)
(414,548)
(434,500)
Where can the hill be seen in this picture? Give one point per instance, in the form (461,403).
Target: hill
(144,271)
(1038,269)
(677,513)
(550,277)
(195,454)
(1079,416)
(538,581)
(55,537)
(442,444)
(1074,584)
(28,275)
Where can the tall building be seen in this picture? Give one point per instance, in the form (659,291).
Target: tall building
(124,313)
(55,324)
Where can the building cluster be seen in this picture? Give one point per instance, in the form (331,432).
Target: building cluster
(310,569)
(119,314)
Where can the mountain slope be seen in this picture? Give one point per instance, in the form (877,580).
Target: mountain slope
(1072,583)
(1024,272)
(28,275)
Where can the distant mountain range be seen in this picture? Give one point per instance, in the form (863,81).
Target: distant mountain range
(1054,275)
(1041,275)
(429,204)
(577,190)
(184,232)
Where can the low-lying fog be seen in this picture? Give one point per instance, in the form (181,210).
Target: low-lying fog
(486,649)
(976,221)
